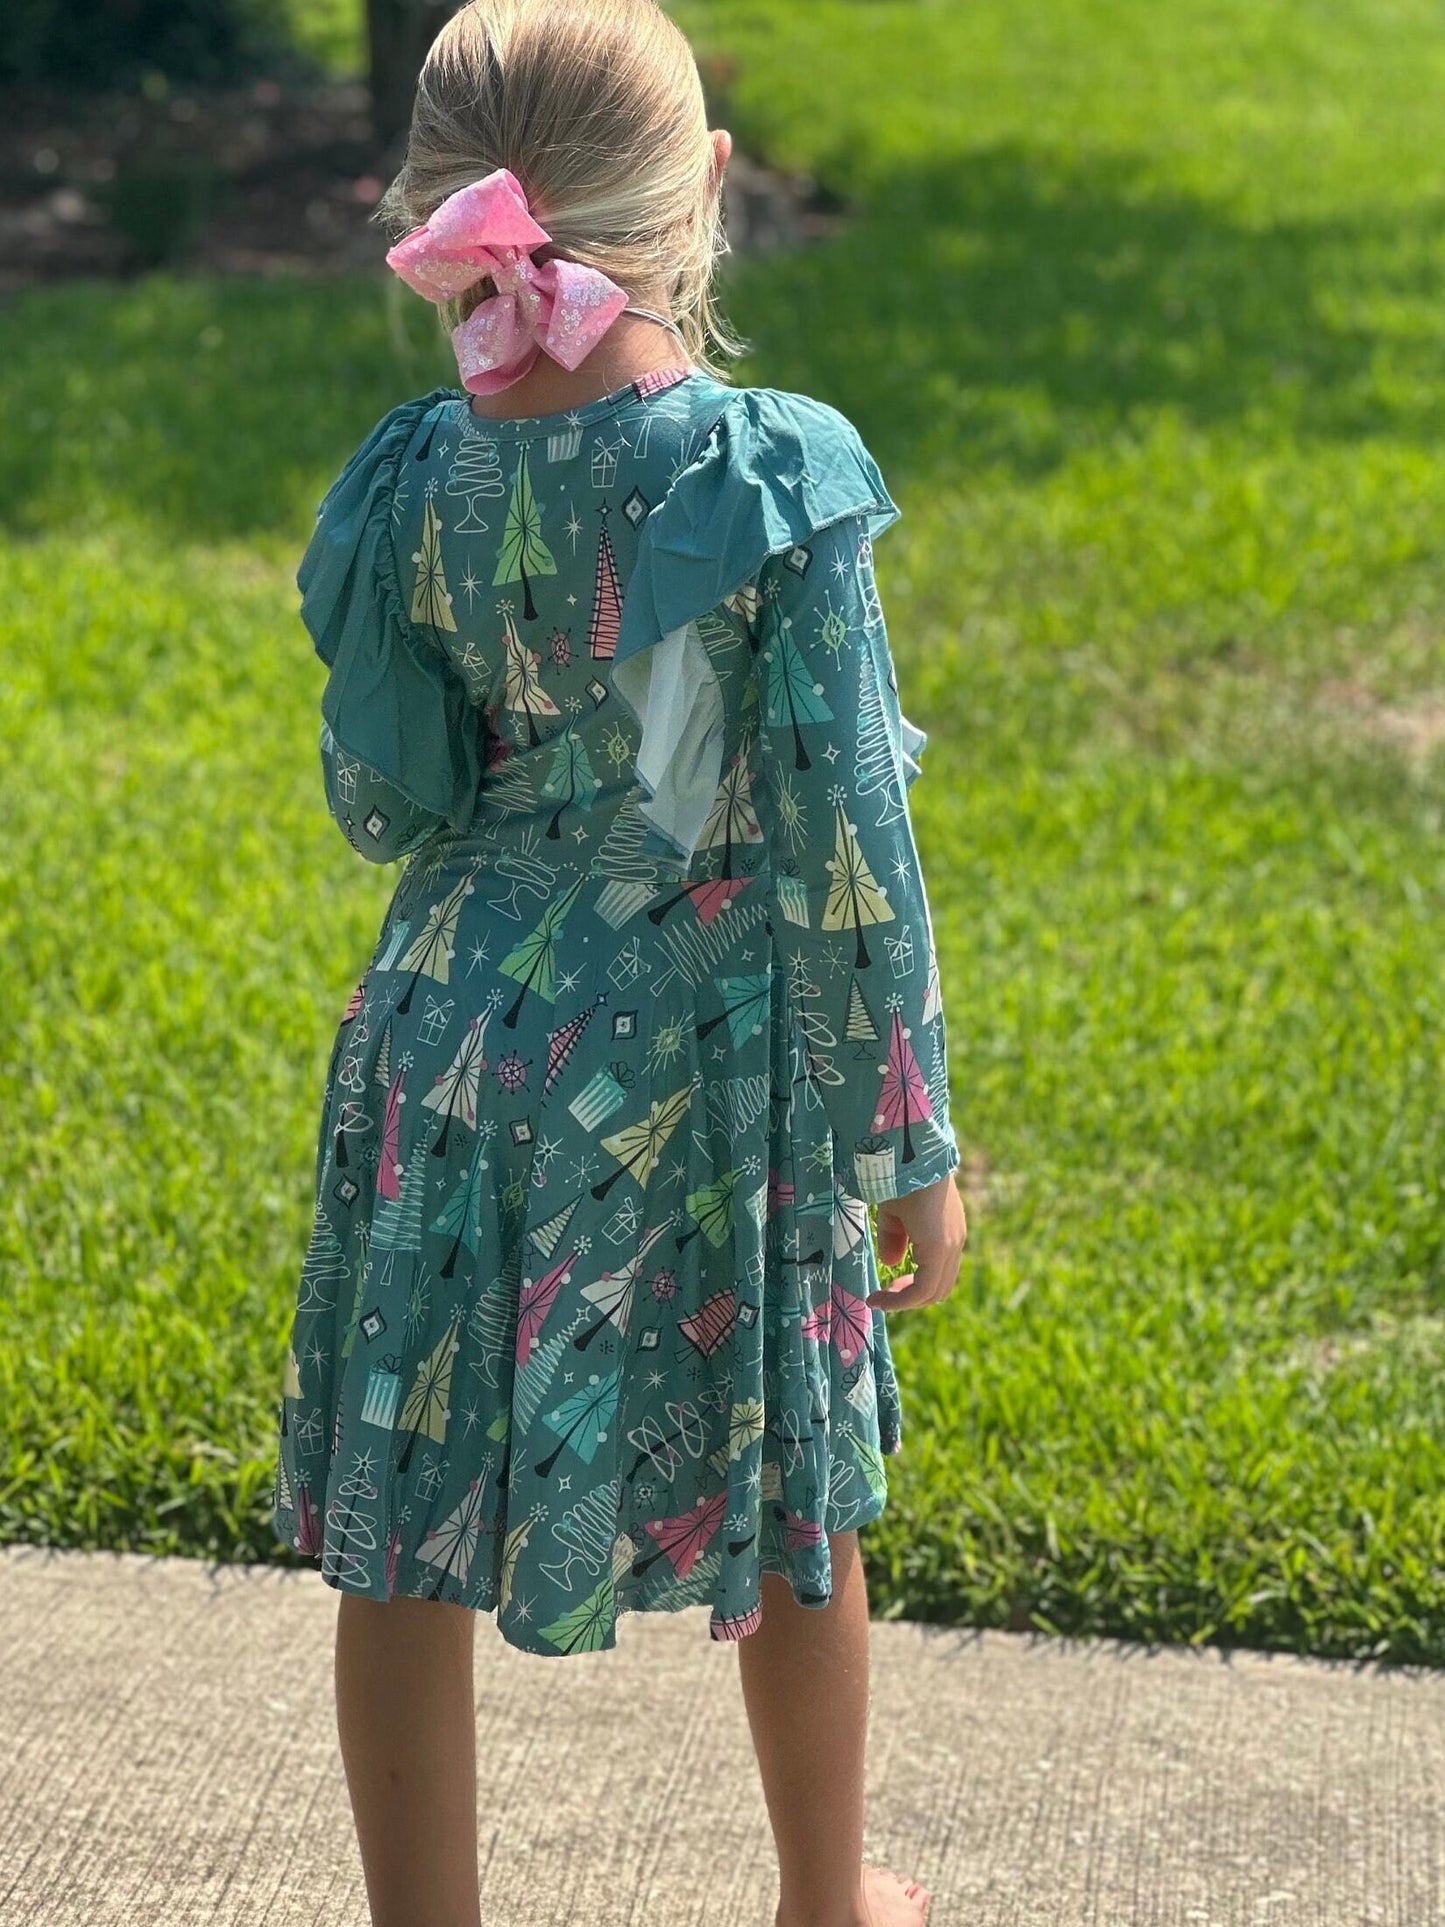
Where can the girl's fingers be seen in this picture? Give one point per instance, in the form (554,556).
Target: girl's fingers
(925,1286)
(892,1238)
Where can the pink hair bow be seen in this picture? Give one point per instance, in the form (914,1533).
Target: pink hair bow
(561,308)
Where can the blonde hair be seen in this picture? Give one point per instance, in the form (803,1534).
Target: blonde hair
(597,107)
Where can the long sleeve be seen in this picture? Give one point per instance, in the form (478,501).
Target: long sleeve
(378,820)
(836,757)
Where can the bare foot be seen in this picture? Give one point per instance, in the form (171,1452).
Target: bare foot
(891,1901)
(888,1901)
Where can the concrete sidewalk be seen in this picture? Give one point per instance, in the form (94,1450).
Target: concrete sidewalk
(169,1756)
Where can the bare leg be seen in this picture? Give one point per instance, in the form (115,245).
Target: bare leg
(406,1719)
(805,1686)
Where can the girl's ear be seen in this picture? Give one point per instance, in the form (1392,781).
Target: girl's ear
(722,147)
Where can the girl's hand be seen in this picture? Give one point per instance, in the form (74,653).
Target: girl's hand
(930,1219)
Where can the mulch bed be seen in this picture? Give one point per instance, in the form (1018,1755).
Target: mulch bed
(264,179)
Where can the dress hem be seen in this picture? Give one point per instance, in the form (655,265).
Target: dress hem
(727,1631)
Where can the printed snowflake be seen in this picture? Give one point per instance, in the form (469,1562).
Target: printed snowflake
(617,746)
(417,1304)
(512,1072)
(833,632)
(666,1043)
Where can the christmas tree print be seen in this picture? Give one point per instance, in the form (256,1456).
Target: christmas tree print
(531,1380)
(522,690)
(711,1209)
(850,1321)
(746,1001)
(326,1267)
(581,1421)
(396,1224)
(794,698)
(451,1546)
(548,1235)
(564,1041)
(524,553)
(462,1213)
(388,1172)
(476,475)
(732,819)
(570,778)
(877,767)
(855,898)
(858,1025)
(516,1539)
(537,1299)
(434,947)
(932,990)
(639,1146)
(585,1628)
(350,1524)
(903,1100)
(606,621)
(532,963)
(455,1092)
(430,601)
(427,1410)
(686,1536)
(613,1292)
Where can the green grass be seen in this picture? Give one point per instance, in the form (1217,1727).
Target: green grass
(1141,312)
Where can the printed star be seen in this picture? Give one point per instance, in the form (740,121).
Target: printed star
(900,868)
(572,599)
(568,981)
(573,526)
(655,1380)
(471,585)
(523,1609)
(580,833)
(314,1354)
(478,954)
(567,1377)
(832,752)
(565,1485)
(677,1173)
(840,566)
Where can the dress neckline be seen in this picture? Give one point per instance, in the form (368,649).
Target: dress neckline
(661,381)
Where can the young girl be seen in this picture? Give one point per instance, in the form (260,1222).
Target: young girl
(591,1321)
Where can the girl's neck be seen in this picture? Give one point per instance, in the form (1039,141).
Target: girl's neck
(633,346)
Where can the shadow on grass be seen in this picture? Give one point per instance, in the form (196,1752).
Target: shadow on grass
(998,310)
(1007,307)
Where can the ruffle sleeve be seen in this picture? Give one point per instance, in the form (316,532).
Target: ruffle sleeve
(775,469)
(393,700)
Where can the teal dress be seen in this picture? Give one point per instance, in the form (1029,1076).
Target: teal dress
(652,1016)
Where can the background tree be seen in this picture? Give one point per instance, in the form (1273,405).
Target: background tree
(398,33)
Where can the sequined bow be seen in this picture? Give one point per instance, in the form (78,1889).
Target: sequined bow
(561,308)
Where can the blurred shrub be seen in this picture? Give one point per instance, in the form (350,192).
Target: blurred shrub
(110,43)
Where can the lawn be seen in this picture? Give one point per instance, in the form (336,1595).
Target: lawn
(1141,312)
